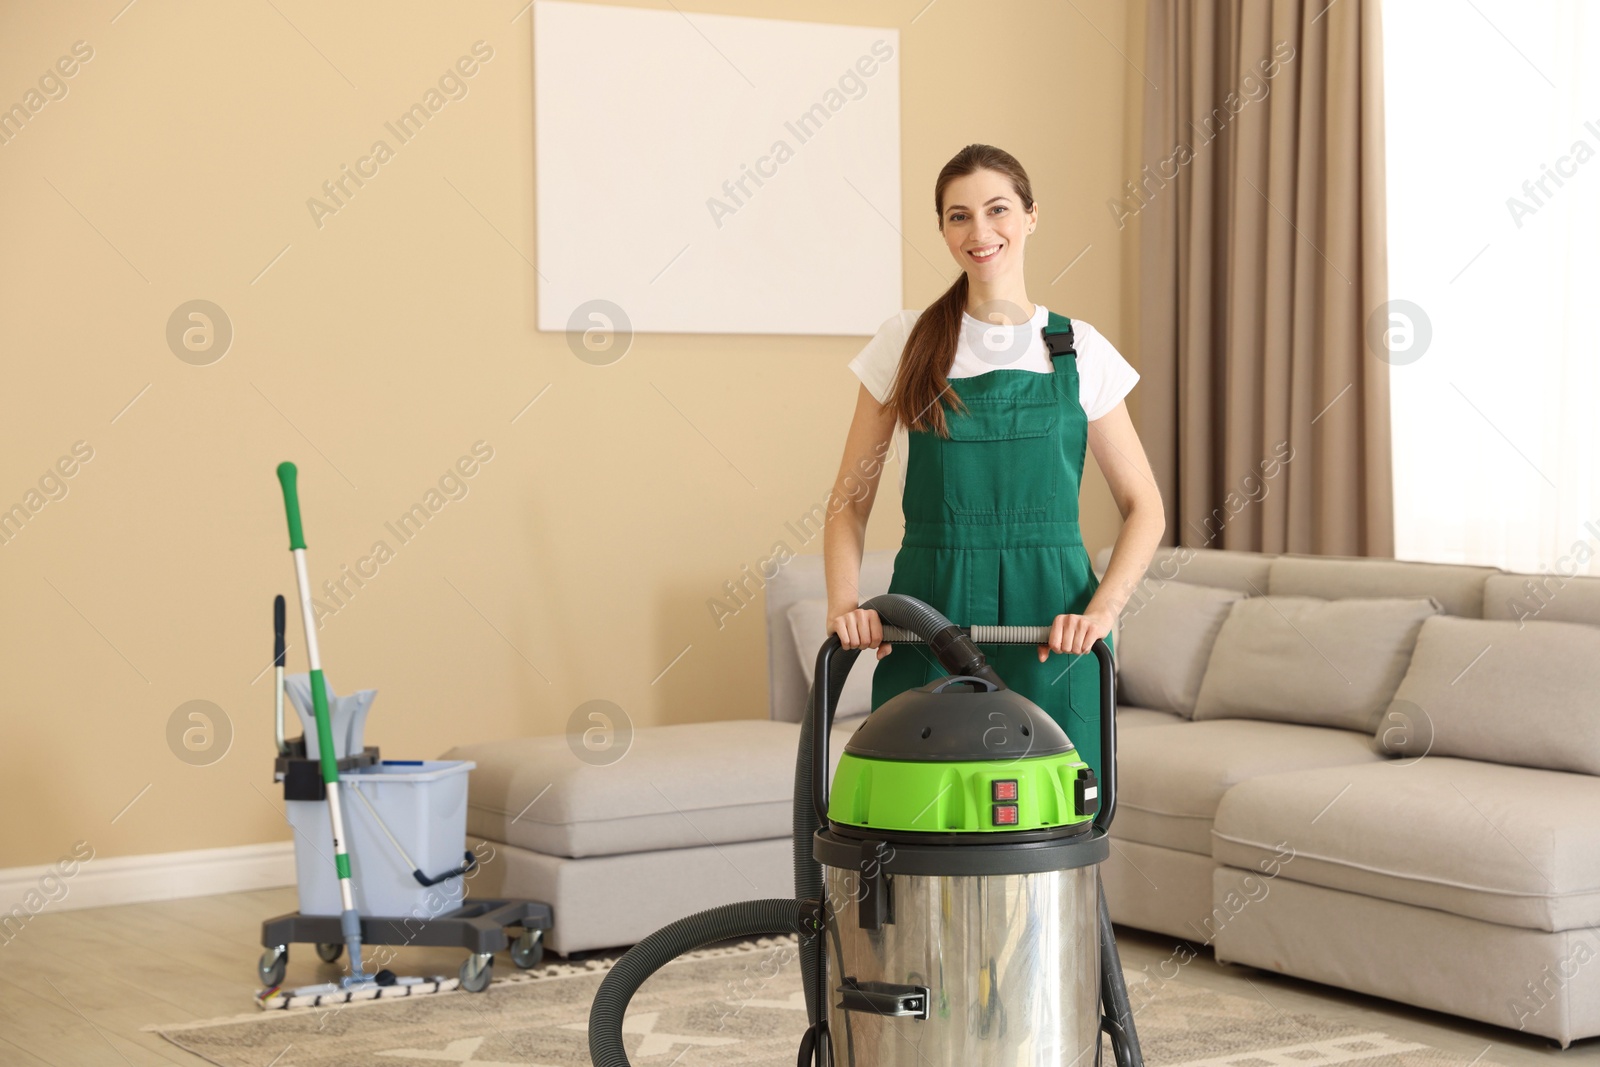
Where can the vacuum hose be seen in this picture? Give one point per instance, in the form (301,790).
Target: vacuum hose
(753,918)
(750,918)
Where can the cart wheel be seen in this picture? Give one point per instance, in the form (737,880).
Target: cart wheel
(528,950)
(273,964)
(476,973)
(328,951)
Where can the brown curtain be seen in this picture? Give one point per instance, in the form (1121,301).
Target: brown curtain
(1262,258)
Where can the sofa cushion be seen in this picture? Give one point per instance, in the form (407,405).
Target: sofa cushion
(1166,636)
(1170,780)
(1135,718)
(808,629)
(1458,588)
(1243,572)
(1547,597)
(681,786)
(1306,660)
(1510,845)
(1508,692)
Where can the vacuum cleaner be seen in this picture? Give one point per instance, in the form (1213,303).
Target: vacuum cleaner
(948,900)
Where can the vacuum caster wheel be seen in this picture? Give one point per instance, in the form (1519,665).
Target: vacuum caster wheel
(476,973)
(272,966)
(528,950)
(328,951)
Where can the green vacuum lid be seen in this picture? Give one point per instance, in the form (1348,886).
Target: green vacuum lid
(958,756)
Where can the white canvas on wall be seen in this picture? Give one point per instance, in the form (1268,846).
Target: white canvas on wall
(715,173)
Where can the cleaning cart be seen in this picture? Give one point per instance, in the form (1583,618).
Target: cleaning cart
(393,870)
(417,802)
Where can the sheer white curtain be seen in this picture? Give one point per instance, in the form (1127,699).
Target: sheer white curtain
(1493,139)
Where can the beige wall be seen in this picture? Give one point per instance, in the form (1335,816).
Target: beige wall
(375,352)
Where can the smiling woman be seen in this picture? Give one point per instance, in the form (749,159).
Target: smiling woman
(992,466)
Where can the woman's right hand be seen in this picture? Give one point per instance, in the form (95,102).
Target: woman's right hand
(859,628)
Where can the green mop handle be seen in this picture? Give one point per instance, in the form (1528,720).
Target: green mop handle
(349,920)
(327,759)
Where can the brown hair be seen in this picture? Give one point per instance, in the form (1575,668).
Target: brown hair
(921,382)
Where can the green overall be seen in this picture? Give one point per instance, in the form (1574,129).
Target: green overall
(992,534)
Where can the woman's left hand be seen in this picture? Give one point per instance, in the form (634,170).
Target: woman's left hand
(1076,634)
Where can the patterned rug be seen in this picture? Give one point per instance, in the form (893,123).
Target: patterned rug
(731,1007)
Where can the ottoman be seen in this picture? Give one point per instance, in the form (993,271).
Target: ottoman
(691,816)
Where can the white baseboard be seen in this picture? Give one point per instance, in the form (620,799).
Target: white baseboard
(96,883)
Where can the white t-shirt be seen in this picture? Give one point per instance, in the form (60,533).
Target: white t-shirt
(1104,377)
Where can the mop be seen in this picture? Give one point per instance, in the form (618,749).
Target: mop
(358,984)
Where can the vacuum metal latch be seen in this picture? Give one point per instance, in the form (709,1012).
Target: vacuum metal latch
(813,919)
(875,897)
(1086,793)
(885,998)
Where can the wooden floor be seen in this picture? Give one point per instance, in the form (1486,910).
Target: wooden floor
(77,986)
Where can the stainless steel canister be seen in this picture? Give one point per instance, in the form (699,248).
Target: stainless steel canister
(1010,963)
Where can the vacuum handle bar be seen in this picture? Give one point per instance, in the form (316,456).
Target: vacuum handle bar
(834,660)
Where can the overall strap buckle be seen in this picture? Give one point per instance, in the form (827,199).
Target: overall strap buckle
(1058,339)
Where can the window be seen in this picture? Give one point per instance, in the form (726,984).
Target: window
(1492,116)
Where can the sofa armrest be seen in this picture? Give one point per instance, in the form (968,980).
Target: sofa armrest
(802,578)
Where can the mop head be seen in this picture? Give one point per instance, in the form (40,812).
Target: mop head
(330,994)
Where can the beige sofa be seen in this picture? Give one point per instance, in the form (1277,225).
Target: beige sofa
(1361,772)
(1380,775)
